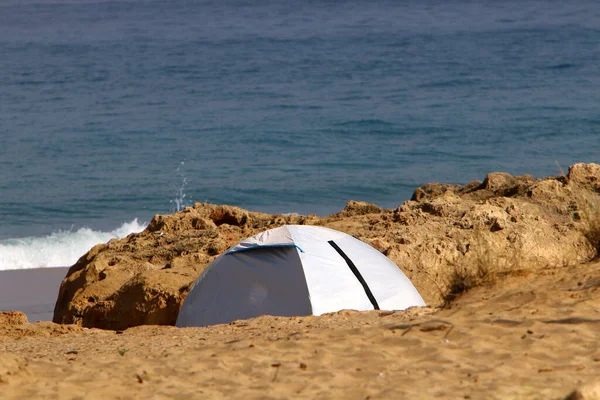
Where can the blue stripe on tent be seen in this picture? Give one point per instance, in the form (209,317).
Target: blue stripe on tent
(264,246)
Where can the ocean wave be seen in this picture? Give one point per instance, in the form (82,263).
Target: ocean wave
(59,249)
(364,123)
(561,66)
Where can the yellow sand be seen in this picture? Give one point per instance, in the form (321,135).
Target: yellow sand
(524,337)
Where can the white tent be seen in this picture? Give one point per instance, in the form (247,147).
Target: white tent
(296,270)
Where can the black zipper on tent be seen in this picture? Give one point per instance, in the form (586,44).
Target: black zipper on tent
(356,273)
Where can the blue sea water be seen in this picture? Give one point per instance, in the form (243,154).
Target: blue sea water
(112,111)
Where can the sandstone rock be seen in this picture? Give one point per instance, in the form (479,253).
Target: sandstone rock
(380,245)
(504,184)
(229,215)
(187,219)
(13,318)
(432,190)
(504,224)
(499,182)
(154,302)
(143,279)
(585,175)
(359,208)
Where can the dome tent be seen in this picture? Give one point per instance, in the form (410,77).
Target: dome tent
(296,270)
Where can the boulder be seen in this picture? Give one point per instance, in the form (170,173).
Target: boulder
(502,225)
(229,215)
(504,184)
(432,190)
(353,208)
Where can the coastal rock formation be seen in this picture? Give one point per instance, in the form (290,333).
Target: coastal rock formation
(446,239)
(13,318)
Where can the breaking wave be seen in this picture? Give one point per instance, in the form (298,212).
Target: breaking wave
(59,249)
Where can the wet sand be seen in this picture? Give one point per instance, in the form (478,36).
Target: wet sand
(32,291)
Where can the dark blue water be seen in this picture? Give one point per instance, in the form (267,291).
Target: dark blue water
(115,110)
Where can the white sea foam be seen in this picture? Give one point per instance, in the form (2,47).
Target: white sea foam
(59,249)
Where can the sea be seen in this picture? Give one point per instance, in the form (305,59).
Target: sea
(113,111)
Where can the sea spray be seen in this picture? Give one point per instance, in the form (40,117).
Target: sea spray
(179,201)
(62,248)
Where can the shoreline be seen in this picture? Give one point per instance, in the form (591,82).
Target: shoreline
(32,291)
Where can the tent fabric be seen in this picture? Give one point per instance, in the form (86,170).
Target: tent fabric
(294,270)
(270,238)
(247,284)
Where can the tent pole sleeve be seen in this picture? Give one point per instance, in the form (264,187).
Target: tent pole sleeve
(356,273)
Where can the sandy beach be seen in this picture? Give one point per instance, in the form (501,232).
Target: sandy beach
(32,291)
(527,337)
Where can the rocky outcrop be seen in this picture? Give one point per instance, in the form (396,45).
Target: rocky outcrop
(8,318)
(143,278)
(504,224)
(586,176)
